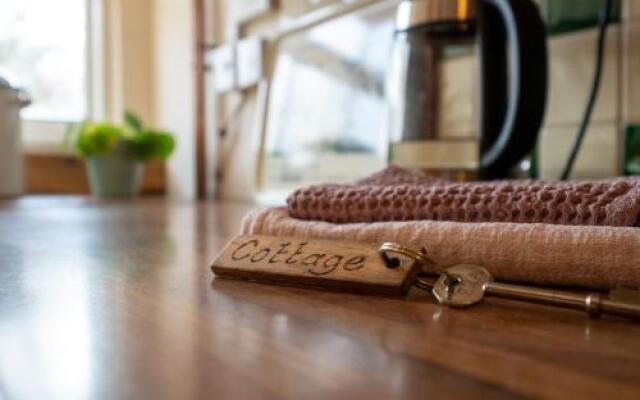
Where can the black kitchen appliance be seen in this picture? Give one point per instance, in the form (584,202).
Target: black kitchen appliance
(468,85)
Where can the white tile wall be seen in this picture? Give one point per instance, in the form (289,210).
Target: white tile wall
(631,71)
(571,66)
(631,9)
(598,157)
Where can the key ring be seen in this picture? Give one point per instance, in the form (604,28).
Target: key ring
(417,256)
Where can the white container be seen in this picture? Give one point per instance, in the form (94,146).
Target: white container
(12,100)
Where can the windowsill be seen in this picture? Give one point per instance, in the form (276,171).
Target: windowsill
(47,149)
(44,137)
(53,173)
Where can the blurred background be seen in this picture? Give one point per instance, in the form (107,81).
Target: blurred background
(262,96)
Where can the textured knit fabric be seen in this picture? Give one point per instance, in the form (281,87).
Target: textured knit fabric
(396,194)
(588,256)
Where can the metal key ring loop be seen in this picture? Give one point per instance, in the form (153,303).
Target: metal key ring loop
(390,247)
(417,256)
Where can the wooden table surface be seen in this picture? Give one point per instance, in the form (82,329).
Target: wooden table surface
(106,300)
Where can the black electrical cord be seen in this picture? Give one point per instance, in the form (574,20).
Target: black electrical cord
(595,86)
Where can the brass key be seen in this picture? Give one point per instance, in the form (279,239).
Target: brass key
(465,284)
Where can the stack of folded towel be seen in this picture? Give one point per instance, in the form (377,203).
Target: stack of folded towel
(557,233)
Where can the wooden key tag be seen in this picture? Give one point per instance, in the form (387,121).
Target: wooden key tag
(325,264)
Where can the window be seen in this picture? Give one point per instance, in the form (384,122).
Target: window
(339,133)
(43,49)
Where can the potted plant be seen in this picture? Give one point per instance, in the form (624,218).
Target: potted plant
(115,154)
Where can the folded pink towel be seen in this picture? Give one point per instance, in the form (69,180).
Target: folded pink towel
(588,256)
(396,194)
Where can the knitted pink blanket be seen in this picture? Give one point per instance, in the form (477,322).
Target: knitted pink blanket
(396,194)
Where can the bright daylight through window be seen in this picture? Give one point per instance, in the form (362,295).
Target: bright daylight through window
(43,49)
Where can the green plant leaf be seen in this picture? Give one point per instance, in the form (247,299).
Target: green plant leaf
(164,145)
(149,145)
(132,121)
(97,138)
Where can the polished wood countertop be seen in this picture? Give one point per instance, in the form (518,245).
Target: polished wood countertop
(116,300)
